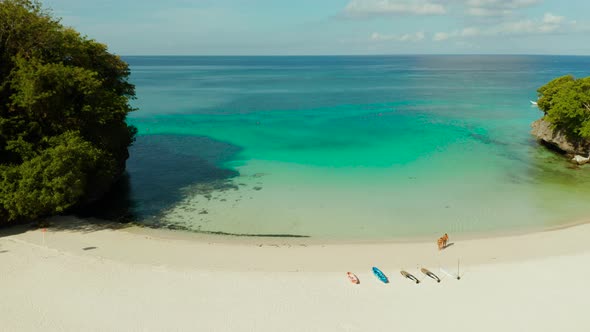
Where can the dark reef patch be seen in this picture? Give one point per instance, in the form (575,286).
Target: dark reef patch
(161,171)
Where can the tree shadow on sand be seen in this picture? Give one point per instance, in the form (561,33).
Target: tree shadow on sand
(62,223)
(448,245)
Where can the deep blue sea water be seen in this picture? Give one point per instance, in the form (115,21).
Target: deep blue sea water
(346,147)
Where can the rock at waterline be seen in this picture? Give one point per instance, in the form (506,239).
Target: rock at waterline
(580,160)
(544,132)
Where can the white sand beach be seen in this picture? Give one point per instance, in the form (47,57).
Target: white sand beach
(102,279)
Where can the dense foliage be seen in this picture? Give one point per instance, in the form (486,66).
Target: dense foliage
(566,104)
(63,103)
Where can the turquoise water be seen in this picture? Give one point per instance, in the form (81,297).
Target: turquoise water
(376,147)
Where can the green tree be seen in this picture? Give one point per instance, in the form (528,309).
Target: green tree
(566,104)
(63,103)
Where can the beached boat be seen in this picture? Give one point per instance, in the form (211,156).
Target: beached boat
(353,278)
(380,275)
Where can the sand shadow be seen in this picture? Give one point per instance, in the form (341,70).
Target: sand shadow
(62,223)
(449,245)
(4,251)
(10,230)
(89,248)
(75,224)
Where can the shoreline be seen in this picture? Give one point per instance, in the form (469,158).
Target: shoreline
(160,246)
(72,278)
(265,239)
(490,248)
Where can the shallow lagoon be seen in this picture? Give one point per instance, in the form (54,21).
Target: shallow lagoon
(346,148)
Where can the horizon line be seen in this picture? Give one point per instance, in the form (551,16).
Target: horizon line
(351,55)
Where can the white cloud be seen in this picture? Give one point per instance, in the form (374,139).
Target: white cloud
(408,37)
(499,8)
(479,8)
(470,32)
(511,28)
(548,24)
(465,33)
(552,19)
(371,8)
(513,4)
(486,12)
(440,36)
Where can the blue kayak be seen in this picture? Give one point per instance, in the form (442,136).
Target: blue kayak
(380,275)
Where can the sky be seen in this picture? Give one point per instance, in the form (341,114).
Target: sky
(331,27)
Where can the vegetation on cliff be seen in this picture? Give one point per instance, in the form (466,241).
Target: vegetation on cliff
(63,103)
(566,104)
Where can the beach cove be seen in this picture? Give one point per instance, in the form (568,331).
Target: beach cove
(342,165)
(346,148)
(92,277)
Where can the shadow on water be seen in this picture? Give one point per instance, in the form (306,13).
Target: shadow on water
(536,164)
(159,168)
(551,167)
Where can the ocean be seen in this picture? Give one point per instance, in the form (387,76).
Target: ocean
(345,147)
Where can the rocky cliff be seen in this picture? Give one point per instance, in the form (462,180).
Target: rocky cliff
(543,131)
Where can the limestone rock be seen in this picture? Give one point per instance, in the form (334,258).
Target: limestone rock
(581,160)
(542,131)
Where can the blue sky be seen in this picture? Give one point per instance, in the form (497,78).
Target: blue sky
(269,27)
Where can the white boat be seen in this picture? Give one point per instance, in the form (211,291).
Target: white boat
(534,103)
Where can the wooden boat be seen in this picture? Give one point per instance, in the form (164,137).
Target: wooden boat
(380,275)
(353,278)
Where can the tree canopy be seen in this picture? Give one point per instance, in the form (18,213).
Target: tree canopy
(63,103)
(566,104)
